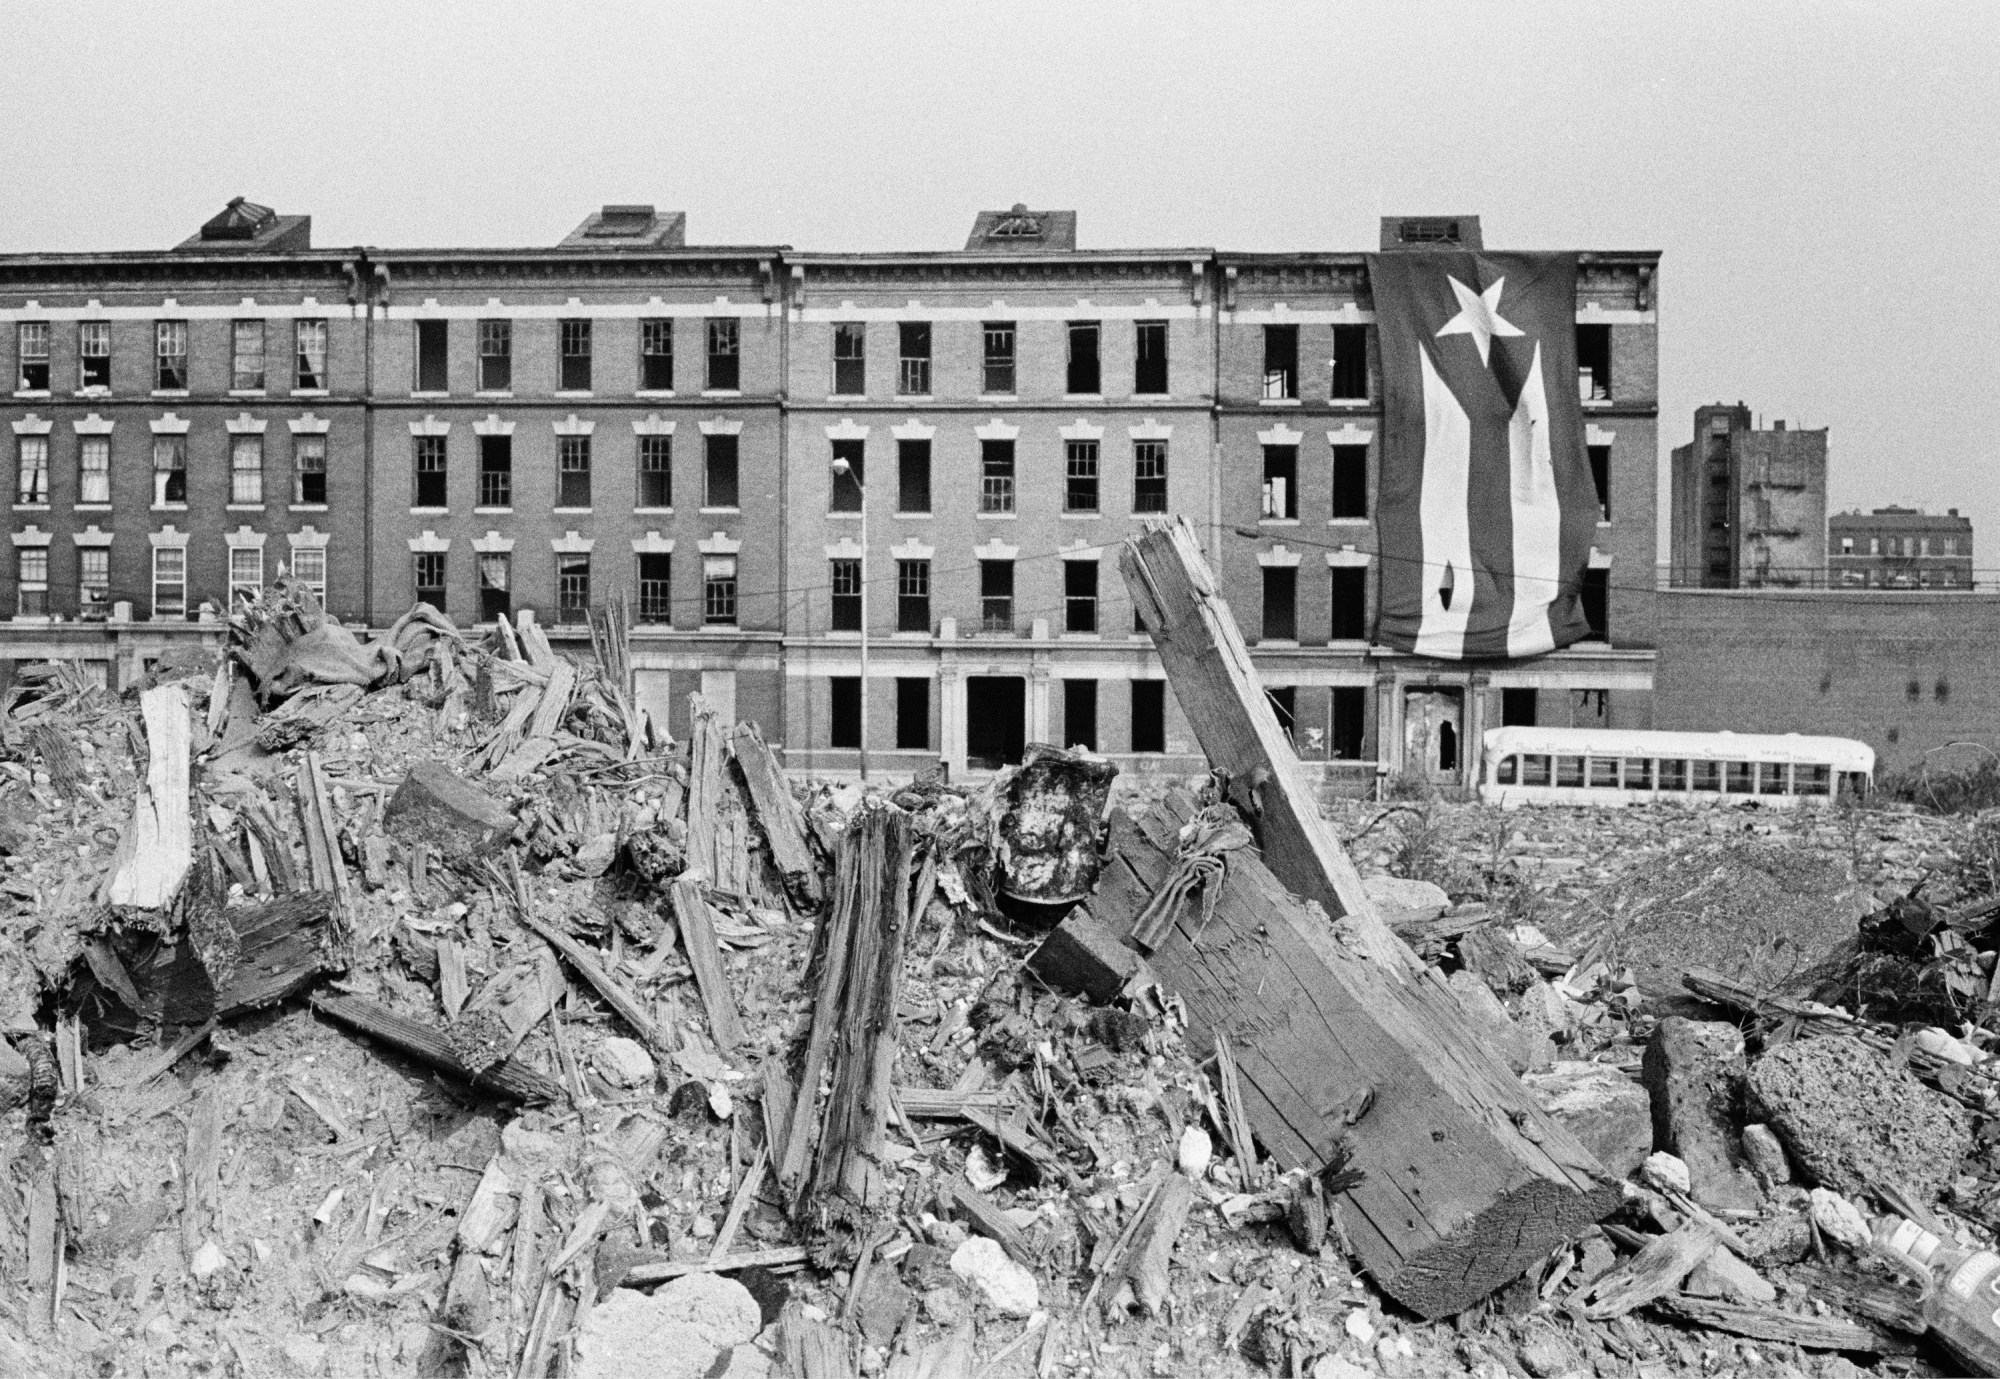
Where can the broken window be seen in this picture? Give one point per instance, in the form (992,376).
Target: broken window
(93,470)
(246,357)
(725,354)
(998,360)
(33,473)
(913,476)
(572,586)
(32,581)
(246,469)
(718,590)
(496,356)
(850,358)
(1149,374)
(1079,596)
(31,339)
(844,716)
(1080,476)
(913,713)
(429,470)
(1593,363)
(169,471)
(1350,481)
(1518,708)
(1281,482)
(93,354)
(309,470)
(1080,714)
(847,477)
(1149,715)
(573,471)
(996,595)
(93,583)
(913,358)
(656,355)
(496,471)
(170,581)
(845,580)
(913,596)
(573,363)
(1595,596)
(309,356)
(496,585)
(656,588)
(1600,476)
(719,464)
(1149,476)
(1350,706)
(1281,605)
(1350,364)
(1281,362)
(1348,590)
(656,471)
(429,577)
(1084,376)
(433,374)
(996,476)
(170,356)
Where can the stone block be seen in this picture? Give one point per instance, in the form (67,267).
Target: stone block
(451,815)
(1609,1112)
(1693,1071)
(1084,955)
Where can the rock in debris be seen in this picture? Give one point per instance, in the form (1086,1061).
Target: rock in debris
(1766,1155)
(1520,1049)
(1839,1219)
(1009,1287)
(1723,1275)
(453,816)
(1693,1069)
(1609,1112)
(684,1331)
(1403,901)
(1850,1118)
(625,1063)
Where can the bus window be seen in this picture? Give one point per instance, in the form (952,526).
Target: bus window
(1506,771)
(1771,778)
(1569,772)
(1811,780)
(1535,770)
(1604,772)
(1707,775)
(1673,774)
(1854,785)
(1638,773)
(1740,775)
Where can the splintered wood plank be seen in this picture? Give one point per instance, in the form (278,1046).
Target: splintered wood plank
(1209,669)
(708,758)
(157,848)
(697,928)
(778,815)
(1467,1181)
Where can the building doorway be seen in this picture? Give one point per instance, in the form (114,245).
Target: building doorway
(1434,734)
(996,729)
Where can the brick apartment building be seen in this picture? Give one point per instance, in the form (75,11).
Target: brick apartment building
(1749,504)
(699,430)
(1900,548)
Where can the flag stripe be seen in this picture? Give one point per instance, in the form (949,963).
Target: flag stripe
(1446,521)
(1537,520)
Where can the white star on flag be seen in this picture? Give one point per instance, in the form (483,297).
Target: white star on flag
(1478,316)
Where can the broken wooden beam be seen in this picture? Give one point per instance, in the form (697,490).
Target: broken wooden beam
(1342,1062)
(778,815)
(156,850)
(508,1077)
(1084,956)
(697,932)
(1208,667)
(452,816)
(1140,1279)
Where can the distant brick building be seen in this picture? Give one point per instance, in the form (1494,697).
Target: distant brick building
(1749,505)
(1900,548)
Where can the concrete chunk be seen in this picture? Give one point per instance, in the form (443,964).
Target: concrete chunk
(1608,1112)
(451,815)
(1693,1070)
(682,1331)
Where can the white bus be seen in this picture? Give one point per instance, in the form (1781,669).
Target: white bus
(1607,766)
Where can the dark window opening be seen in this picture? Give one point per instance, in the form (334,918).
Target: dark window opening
(1517,708)
(1281,361)
(996,595)
(846,585)
(913,476)
(496,471)
(1350,705)
(430,578)
(93,350)
(719,465)
(1080,713)
(913,714)
(31,339)
(1149,715)
(496,598)
(725,354)
(913,596)
(1080,476)
(656,356)
(1284,701)
(913,358)
(309,464)
(850,358)
(1350,363)
(1079,596)
(998,360)
(1348,589)
(847,476)
(1350,481)
(995,721)
(432,360)
(844,711)
(574,373)
(996,476)
(573,587)
(1149,374)
(1281,604)
(1593,363)
(1281,481)
(1595,596)
(1149,476)
(656,471)
(1600,476)
(496,356)
(1085,375)
(573,471)
(656,603)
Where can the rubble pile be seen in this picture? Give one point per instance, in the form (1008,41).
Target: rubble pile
(418,1007)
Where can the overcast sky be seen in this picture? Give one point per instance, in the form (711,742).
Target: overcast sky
(1823,179)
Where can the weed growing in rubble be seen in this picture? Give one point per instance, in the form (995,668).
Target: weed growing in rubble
(1936,791)
(1424,852)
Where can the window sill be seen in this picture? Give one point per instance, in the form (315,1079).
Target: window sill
(422,395)
(1083,517)
(1080,637)
(1597,401)
(910,636)
(574,393)
(1000,398)
(492,396)
(923,516)
(840,397)
(570,512)
(996,516)
(307,507)
(843,514)
(492,512)
(161,392)
(440,512)
(843,635)
(652,512)
(1277,521)
(719,512)
(1347,644)
(31,507)
(248,392)
(170,507)
(91,507)
(1604,521)
(900,397)
(1348,521)
(722,628)
(1280,642)
(1279,402)
(311,392)
(243,507)
(1083,397)
(92,392)
(654,392)
(722,392)
(33,619)
(32,394)
(1152,397)
(1350,402)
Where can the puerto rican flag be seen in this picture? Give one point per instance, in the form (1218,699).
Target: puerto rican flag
(1486,508)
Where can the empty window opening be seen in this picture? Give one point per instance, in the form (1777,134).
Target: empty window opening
(1350,706)
(995,721)
(1350,481)
(1080,476)
(1281,481)
(1281,604)
(1284,702)
(997,372)
(1084,375)
(429,577)
(913,476)
(430,473)
(1149,476)
(496,599)
(1517,708)
(573,372)
(656,355)
(1600,477)
(1595,595)
(1347,587)
(996,476)
(913,714)
(573,471)
(719,466)
(1281,362)
(1079,596)
(1080,714)
(845,580)
(847,476)
(496,471)
(913,358)
(656,471)
(996,595)
(496,356)
(1149,375)
(913,596)
(844,712)
(656,581)
(850,358)
(1350,364)
(1593,363)
(309,470)
(1149,715)
(432,372)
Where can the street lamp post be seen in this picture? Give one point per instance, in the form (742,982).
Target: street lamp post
(842,467)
